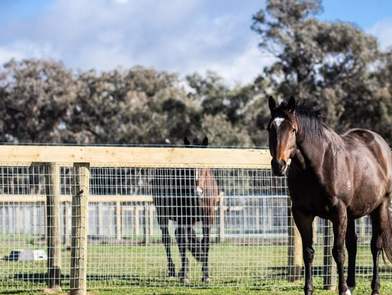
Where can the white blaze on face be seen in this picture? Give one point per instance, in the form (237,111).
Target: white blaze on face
(199,191)
(198,188)
(278,121)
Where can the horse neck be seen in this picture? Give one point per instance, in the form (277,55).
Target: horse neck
(312,146)
(208,183)
(202,177)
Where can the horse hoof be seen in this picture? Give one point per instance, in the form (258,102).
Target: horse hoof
(205,279)
(171,269)
(184,281)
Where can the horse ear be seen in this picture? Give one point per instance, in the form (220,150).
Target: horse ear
(271,103)
(186,141)
(205,141)
(291,104)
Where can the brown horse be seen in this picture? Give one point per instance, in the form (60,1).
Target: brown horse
(186,196)
(338,177)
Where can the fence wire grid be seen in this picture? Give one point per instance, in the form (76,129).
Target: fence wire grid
(250,238)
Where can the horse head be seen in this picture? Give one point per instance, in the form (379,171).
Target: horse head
(282,130)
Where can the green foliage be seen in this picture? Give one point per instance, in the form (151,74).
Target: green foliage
(35,97)
(125,107)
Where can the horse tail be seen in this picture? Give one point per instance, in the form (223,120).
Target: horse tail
(386,229)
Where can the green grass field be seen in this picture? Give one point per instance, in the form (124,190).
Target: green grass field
(363,288)
(245,268)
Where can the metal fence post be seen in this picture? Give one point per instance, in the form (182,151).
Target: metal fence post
(78,280)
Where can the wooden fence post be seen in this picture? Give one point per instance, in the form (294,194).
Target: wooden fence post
(328,264)
(146,227)
(294,249)
(315,228)
(136,224)
(78,279)
(53,226)
(118,221)
(151,223)
(257,218)
(362,233)
(221,218)
(100,217)
(67,225)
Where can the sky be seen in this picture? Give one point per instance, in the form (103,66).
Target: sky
(183,36)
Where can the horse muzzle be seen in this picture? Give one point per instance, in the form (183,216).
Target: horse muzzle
(279,167)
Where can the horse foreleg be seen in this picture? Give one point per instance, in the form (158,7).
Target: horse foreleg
(171,269)
(194,245)
(181,242)
(339,221)
(205,249)
(304,224)
(351,246)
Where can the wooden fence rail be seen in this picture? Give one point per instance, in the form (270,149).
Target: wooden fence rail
(105,156)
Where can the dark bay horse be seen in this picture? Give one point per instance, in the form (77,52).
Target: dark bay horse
(338,177)
(186,196)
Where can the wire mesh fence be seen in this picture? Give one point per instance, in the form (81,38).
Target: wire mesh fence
(230,226)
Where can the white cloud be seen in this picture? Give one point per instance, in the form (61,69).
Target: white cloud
(383,31)
(6,54)
(25,49)
(243,67)
(171,35)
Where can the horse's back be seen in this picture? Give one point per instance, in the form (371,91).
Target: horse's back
(366,136)
(372,160)
(374,143)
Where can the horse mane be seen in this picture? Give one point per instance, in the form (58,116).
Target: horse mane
(310,122)
(312,127)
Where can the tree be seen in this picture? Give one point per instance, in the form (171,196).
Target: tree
(327,64)
(133,106)
(35,97)
(223,108)
(222,133)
